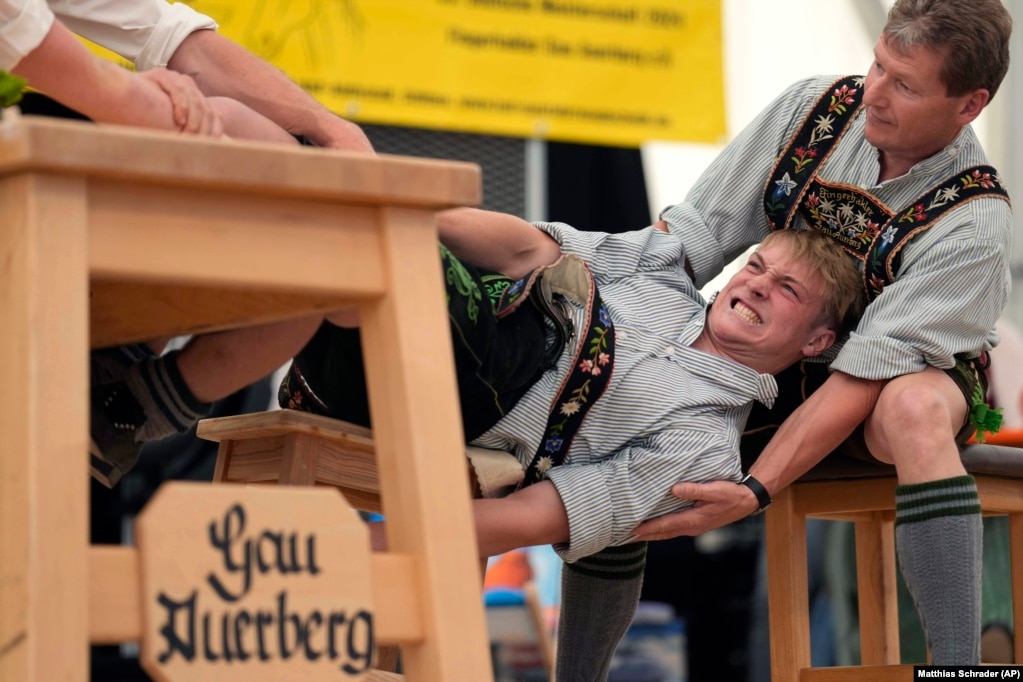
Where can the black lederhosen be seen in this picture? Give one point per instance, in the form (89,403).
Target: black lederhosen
(496,360)
(797,382)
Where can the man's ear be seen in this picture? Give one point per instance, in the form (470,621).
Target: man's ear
(972,105)
(819,342)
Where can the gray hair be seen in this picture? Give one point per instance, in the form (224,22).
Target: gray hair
(973,37)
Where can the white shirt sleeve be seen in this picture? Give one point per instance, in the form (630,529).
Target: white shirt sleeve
(145,32)
(23,25)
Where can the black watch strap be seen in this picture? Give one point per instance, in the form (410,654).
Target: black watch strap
(763,497)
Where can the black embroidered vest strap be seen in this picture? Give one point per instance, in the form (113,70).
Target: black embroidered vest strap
(809,147)
(882,259)
(589,376)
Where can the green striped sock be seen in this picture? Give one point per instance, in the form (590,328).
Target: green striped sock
(939,540)
(946,497)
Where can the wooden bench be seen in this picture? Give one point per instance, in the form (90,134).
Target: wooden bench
(848,490)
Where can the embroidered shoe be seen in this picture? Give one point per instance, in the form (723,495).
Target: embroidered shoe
(115,414)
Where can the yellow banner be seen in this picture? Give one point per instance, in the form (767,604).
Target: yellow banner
(597,71)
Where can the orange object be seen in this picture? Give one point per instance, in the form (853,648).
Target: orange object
(1013,437)
(511,569)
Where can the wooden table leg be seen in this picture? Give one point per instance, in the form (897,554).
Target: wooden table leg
(44,513)
(416,425)
(789,600)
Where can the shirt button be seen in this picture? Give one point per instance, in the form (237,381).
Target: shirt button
(669,350)
(621,334)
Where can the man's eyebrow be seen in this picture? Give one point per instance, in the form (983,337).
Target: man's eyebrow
(782,278)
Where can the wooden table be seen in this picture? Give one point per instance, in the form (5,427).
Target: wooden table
(113,235)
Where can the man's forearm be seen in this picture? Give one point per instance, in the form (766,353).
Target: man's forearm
(496,241)
(63,69)
(531,516)
(816,428)
(222,67)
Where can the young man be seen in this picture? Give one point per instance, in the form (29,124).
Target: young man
(651,385)
(889,167)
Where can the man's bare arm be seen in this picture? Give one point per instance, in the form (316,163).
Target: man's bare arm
(531,516)
(496,241)
(222,67)
(62,68)
(816,428)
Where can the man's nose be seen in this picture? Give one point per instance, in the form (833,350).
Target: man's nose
(760,285)
(874,91)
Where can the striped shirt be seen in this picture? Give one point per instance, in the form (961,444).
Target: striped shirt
(954,280)
(669,413)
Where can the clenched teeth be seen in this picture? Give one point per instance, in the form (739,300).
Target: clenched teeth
(747,313)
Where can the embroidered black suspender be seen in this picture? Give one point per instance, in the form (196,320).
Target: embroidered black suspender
(808,148)
(883,257)
(589,377)
(590,370)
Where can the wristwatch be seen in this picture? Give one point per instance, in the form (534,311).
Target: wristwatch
(763,497)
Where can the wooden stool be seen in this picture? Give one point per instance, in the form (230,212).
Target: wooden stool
(848,490)
(290,447)
(116,235)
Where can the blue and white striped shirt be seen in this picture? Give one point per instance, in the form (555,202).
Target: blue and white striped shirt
(954,280)
(670,412)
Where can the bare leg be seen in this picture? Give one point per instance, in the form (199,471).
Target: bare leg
(938,528)
(216,365)
(160,396)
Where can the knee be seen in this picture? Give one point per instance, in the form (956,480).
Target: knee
(914,406)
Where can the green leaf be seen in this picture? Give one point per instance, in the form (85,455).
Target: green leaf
(986,420)
(11,89)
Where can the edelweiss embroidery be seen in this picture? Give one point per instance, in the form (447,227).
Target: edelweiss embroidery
(590,376)
(797,166)
(883,256)
(869,230)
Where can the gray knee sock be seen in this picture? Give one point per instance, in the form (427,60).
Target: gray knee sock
(168,402)
(598,599)
(939,539)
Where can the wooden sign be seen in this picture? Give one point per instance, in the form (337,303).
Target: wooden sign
(254,583)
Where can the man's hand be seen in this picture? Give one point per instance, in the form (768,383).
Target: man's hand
(716,504)
(193,113)
(342,134)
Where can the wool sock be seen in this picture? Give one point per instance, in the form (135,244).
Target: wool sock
(598,600)
(161,391)
(939,540)
(112,364)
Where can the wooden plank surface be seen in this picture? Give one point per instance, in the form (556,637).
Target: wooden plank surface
(278,204)
(420,451)
(148,157)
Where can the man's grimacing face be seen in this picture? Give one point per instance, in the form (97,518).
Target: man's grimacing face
(770,312)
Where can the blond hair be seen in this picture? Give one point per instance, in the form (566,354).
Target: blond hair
(841,284)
